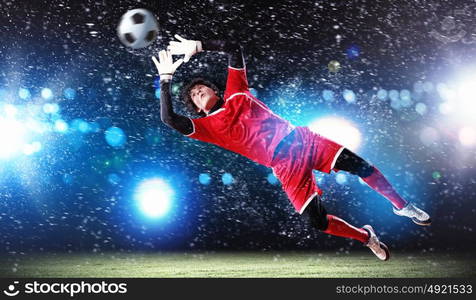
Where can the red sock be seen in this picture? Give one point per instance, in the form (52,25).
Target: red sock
(380,184)
(340,227)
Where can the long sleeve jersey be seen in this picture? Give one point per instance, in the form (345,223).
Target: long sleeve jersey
(242,124)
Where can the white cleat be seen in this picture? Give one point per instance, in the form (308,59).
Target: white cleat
(417,215)
(377,247)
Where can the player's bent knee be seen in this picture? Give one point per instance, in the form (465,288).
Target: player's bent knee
(354,164)
(365,170)
(321,222)
(316,214)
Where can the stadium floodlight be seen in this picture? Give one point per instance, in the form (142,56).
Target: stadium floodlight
(467,136)
(154,197)
(339,130)
(466,99)
(12,137)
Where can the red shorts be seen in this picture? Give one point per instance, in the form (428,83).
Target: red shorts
(298,154)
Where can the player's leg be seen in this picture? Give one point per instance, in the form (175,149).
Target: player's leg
(354,164)
(316,215)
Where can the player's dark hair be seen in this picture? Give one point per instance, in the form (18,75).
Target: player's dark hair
(188,98)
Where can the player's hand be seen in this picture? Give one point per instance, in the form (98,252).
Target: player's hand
(184,47)
(165,65)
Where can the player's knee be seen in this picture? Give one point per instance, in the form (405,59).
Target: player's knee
(365,170)
(321,222)
(354,164)
(362,168)
(316,215)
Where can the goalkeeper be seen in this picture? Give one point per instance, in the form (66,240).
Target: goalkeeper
(239,122)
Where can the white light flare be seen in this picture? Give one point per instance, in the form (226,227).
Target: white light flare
(339,130)
(154,197)
(466,99)
(12,137)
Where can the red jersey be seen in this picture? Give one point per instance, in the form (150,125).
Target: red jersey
(243,124)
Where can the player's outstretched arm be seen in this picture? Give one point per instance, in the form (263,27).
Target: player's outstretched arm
(166,68)
(188,48)
(232,48)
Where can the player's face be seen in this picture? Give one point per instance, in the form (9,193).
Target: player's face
(203,97)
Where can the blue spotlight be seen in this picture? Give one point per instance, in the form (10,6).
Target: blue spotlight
(227,179)
(46,93)
(113,178)
(69,93)
(61,126)
(204,178)
(421,108)
(51,108)
(328,95)
(272,179)
(79,125)
(405,98)
(115,137)
(84,127)
(353,51)
(154,197)
(157,93)
(394,95)
(382,94)
(24,94)
(341,178)
(349,96)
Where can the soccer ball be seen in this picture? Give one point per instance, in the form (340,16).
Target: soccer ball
(137,28)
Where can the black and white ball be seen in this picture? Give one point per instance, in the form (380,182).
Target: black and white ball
(137,28)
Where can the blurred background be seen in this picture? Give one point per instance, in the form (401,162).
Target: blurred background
(87,165)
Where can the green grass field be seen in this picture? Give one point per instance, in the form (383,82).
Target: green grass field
(238,264)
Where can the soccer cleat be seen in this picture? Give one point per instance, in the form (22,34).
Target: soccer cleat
(417,215)
(377,247)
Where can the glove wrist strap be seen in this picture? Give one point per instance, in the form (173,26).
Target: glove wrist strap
(166,76)
(199,47)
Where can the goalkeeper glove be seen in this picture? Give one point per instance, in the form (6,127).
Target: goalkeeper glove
(165,66)
(185,47)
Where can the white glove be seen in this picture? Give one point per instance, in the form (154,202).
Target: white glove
(186,47)
(166,66)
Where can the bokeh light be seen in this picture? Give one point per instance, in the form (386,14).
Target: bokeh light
(12,137)
(115,137)
(227,179)
(69,93)
(272,179)
(46,93)
(204,178)
(349,96)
